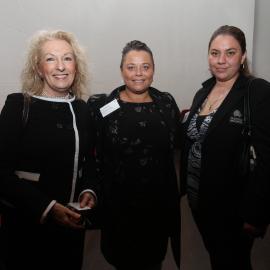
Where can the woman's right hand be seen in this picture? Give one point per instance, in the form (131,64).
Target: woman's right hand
(65,216)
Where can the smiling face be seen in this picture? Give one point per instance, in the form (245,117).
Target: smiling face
(137,71)
(225,58)
(57,67)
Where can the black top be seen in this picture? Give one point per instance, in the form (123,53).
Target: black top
(138,144)
(135,146)
(223,194)
(51,145)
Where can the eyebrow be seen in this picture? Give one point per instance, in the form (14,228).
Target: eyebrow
(213,49)
(68,53)
(146,63)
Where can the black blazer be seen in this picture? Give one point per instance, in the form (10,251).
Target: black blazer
(222,191)
(45,146)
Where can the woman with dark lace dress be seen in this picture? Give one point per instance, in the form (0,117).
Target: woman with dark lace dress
(137,132)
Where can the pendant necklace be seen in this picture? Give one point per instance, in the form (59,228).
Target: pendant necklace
(209,106)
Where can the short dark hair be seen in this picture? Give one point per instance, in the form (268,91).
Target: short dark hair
(135,45)
(239,35)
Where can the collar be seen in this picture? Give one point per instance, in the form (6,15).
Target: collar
(241,81)
(153,92)
(61,100)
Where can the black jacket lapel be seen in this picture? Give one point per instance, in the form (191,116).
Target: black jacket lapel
(200,97)
(236,94)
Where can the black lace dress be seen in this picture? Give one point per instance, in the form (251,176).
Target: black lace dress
(139,189)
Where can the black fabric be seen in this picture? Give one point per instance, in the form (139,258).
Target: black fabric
(227,200)
(247,158)
(228,246)
(139,195)
(45,145)
(221,188)
(43,247)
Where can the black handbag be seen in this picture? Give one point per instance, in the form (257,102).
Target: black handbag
(247,159)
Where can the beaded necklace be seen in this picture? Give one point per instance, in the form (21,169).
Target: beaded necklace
(46,95)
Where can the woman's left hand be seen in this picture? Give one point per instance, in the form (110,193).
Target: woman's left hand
(87,199)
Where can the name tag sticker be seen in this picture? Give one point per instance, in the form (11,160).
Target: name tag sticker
(109,108)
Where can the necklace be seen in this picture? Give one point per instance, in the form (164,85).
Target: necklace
(211,105)
(45,94)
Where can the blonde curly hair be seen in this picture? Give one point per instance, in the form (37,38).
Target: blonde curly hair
(32,83)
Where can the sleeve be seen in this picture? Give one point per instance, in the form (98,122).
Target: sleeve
(256,204)
(89,167)
(16,192)
(92,162)
(176,116)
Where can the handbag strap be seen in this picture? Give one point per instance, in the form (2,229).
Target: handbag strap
(25,112)
(247,114)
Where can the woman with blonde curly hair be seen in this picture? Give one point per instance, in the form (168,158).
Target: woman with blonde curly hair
(43,135)
(33,83)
